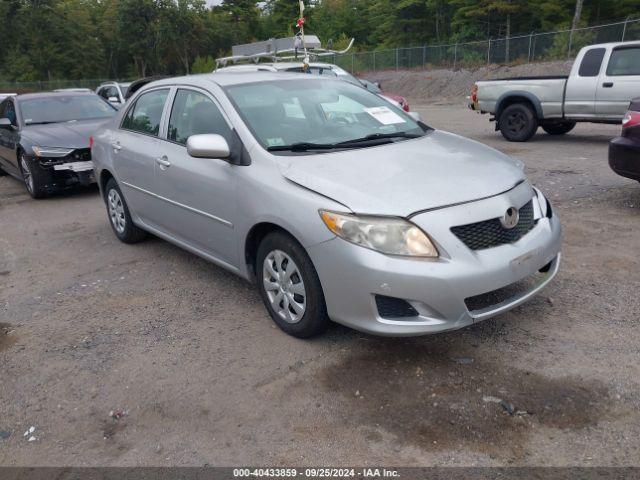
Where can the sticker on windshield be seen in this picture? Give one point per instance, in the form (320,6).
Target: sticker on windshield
(275,142)
(385,115)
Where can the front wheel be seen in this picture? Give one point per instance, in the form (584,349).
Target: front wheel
(558,128)
(518,122)
(34,177)
(290,287)
(119,216)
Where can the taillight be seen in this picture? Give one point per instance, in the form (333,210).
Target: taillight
(91,143)
(474,94)
(631,119)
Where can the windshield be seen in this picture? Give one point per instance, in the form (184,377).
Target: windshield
(285,113)
(61,108)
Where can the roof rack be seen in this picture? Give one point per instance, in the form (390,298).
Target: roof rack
(278,49)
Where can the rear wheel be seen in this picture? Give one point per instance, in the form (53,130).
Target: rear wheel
(119,216)
(518,122)
(290,287)
(35,179)
(559,128)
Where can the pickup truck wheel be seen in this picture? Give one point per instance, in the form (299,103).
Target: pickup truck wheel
(518,122)
(558,128)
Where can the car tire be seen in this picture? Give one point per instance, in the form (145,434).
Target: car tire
(518,122)
(290,287)
(34,177)
(558,128)
(119,216)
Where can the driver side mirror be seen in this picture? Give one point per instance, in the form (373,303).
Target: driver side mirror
(113,100)
(208,145)
(6,124)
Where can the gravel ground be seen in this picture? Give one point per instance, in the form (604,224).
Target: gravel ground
(187,352)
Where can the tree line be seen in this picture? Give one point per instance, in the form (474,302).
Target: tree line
(76,39)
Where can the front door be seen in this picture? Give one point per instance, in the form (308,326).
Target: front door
(9,138)
(619,83)
(199,193)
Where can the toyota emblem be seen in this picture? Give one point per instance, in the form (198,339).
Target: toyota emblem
(510,219)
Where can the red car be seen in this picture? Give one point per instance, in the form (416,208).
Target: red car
(375,88)
(624,151)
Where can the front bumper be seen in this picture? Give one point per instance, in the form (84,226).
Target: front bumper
(66,174)
(352,276)
(624,157)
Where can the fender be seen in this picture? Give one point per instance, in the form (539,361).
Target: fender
(518,93)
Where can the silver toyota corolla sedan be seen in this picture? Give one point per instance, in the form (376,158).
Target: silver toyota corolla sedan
(335,203)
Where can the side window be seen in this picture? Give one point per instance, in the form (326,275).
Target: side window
(624,61)
(193,114)
(8,110)
(145,114)
(103,92)
(591,62)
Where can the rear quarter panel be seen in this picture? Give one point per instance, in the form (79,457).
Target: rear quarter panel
(548,92)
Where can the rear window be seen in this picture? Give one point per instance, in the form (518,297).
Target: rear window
(591,62)
(624,61)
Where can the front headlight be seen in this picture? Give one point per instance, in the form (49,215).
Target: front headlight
(390,235)
(51,152)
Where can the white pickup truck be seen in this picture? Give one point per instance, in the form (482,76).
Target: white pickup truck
(603,80)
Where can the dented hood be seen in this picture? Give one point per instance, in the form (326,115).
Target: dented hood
(402,178)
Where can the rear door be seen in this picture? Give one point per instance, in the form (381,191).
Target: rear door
(580,94)
(199,193)
(135,148)
(619,82)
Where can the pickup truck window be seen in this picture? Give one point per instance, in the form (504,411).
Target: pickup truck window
(591,62)
(624,61)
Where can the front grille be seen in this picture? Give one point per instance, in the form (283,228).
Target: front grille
(389,307)
(491,233)
(491,299)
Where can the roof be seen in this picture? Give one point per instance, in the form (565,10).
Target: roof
(31,96)
(614,44)
(227,78)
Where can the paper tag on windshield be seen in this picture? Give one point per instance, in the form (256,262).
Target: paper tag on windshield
(384,115)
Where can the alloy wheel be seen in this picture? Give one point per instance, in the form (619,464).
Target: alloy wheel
(284,286)
(116,211)
(26,174)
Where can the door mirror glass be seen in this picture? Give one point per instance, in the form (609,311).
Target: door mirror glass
(415,115)
(5,123)
(113,100)
(208,145)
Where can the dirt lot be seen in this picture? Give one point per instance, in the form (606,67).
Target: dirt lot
(186,350)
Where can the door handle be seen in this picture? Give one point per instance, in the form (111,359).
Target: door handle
(607,84)
(116,147)
(163,162)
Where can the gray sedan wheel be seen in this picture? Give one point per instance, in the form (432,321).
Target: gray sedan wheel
(290,287)
(119,216)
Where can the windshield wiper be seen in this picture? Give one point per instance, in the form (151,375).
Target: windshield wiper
(380,136)
(301,147)
(42,123)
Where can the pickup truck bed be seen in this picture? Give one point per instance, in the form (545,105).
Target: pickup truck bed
(602,82)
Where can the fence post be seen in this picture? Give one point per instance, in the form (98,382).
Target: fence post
(529,54)
(533,49)
(489,53)
(624,28)
(455,55)
(424,55)
(374,60)
(570,41)
(397,57)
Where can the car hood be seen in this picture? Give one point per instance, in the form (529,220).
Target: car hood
(66,134)
(402,178)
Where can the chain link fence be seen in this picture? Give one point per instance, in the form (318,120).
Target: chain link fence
(535,47)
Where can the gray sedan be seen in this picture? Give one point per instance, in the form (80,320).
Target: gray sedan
(336,204)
